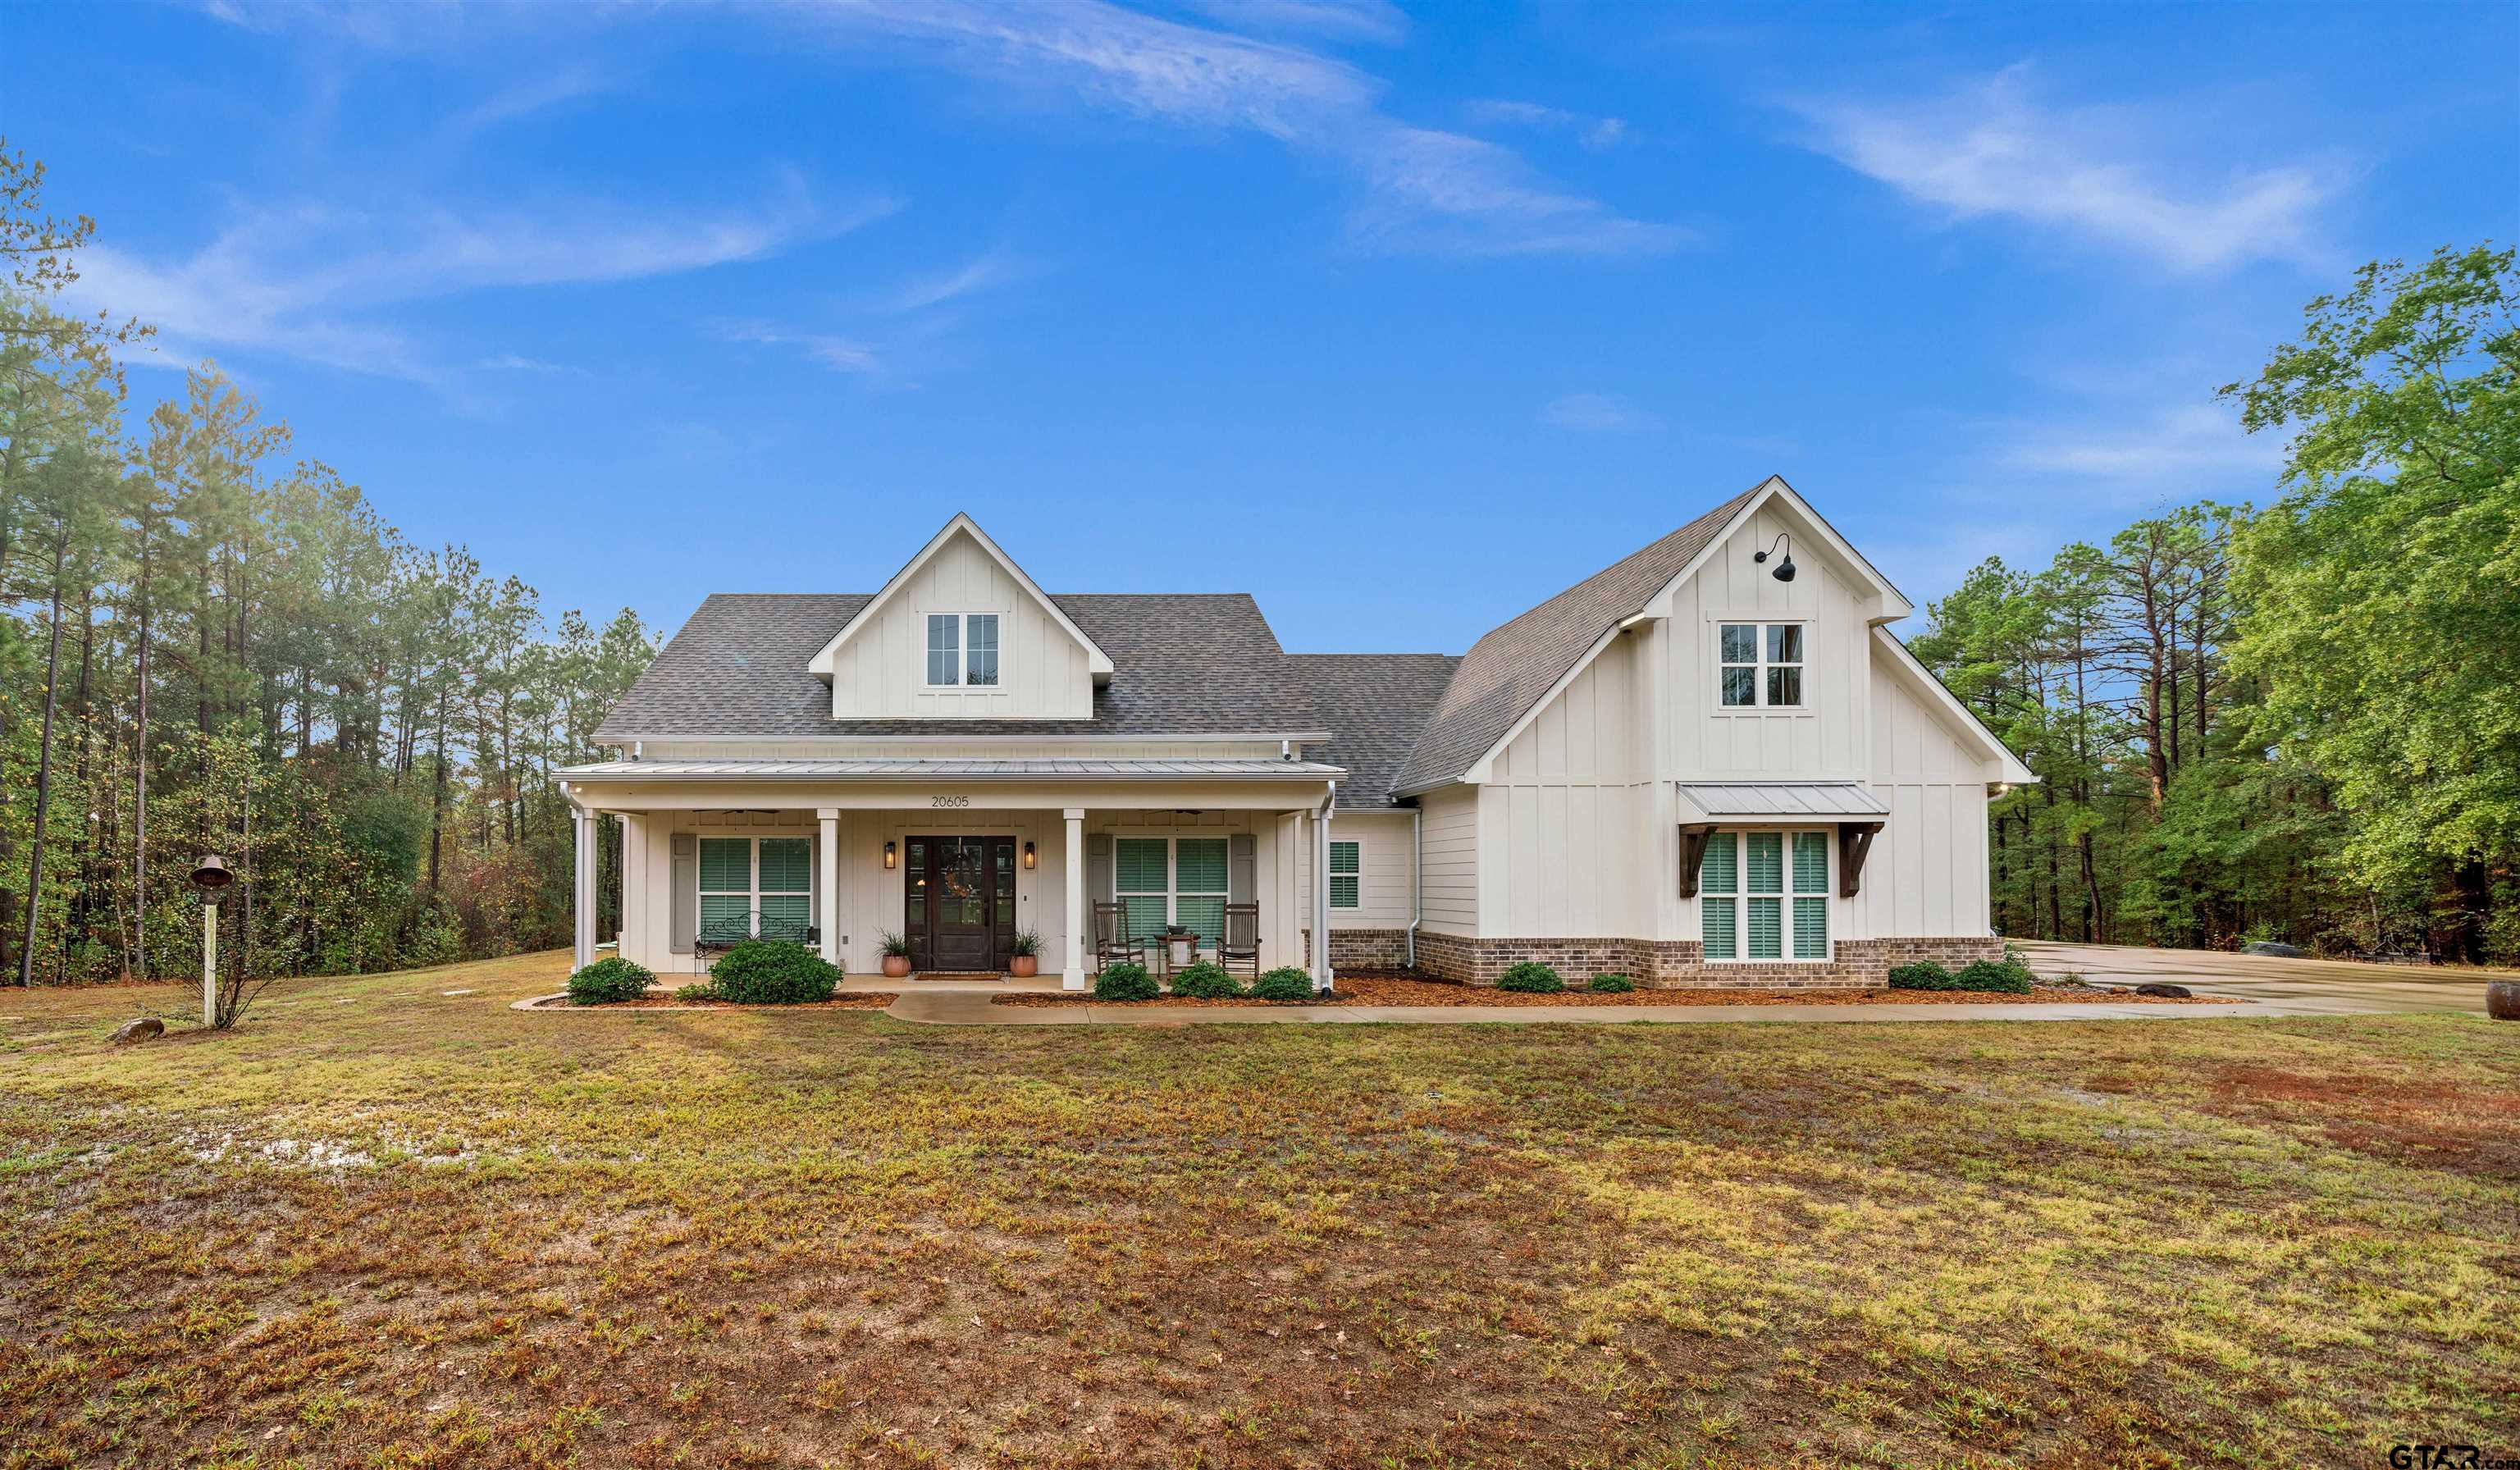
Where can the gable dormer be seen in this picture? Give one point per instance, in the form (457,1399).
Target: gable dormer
(962,633)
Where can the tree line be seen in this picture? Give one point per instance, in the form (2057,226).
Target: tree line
(2297,724)
(211,647)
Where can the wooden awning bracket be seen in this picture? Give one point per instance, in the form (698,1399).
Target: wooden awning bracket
(1693,853)
(1853,845)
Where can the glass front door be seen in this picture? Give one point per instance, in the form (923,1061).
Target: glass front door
(960,903)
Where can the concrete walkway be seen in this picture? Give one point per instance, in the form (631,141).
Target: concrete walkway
(973,1008)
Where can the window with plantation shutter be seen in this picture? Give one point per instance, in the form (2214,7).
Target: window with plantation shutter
(1764,895)
(787,895)
(1198,886)
(1347,871)
(1138,882)
(726,883)
(1719,881)
(741,876)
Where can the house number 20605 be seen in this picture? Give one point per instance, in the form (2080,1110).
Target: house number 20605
(948,801)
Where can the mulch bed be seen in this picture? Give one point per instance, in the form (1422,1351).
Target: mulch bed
(1409,990)
(873,1000)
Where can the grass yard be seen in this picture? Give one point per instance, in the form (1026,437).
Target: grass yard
(381,1226)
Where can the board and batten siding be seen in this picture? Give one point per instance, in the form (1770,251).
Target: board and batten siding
(1927,871)
(880,670)
(1557,817)
(1830,736)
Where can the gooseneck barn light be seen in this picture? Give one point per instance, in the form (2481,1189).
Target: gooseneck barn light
(1784,571)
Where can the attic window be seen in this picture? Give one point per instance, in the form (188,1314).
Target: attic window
(1762,663)
(962,650)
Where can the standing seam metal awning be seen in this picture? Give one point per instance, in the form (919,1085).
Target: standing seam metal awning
(1781,801)
(888,769)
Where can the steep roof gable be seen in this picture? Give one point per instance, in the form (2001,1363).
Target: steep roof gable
(1512,671)
(1097,662)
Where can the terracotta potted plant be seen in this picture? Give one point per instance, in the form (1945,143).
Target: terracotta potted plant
(897,954)
(1023,959)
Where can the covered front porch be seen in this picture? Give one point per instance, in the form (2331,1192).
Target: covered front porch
(958,856)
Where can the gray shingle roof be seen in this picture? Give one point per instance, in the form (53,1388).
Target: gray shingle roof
(1515,665)
(1183,663)
(1373,704)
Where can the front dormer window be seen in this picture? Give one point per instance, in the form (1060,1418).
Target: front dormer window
(1763,666)
(962,650)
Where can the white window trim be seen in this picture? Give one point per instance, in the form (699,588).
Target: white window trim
(963,648)
(1759,706)
(752,893)
(1173,893)
(1358,876)
(1741,896)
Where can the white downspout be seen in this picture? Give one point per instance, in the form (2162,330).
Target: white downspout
(1416,879)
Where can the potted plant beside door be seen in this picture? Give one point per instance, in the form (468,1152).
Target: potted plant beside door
(897,954)
(1023,955)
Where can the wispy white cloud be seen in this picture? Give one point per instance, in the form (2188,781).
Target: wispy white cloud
(1598,413)
(983,273)
(2141,455)
(540,93)
(1331,19)
(2110,174)
(1592,131)
(841,354)
(1426,190)
(313,281)
(509,362)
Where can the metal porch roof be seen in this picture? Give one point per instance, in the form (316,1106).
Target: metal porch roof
(1781,800)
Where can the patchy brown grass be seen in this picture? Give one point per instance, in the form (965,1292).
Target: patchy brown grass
(1370,988)
(847,1000)
(379,1226)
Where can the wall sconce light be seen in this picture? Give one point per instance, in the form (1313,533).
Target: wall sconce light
(1784,571)
(890,856)
(1033,858)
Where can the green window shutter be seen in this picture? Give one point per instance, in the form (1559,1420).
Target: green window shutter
(794,910)
(1766,861)
(1721,873)
(1811,928)
(723,914)
(687,891)
(1346,871)
(1140,868)
(1718,927)
(1811,863)
(1767,928)
(1199,864)
(1145,916)
(786,865)
(725,865)
(1202,916)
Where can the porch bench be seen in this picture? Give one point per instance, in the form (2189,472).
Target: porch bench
(725,934)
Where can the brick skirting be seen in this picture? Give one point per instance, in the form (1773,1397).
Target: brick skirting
(1681,964)
(1371,949)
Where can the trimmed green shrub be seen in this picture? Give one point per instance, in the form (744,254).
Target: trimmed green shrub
(1126,981)
(1924,974)
(1533,978)
(773,972)
(612,978)
(1284,983)
(1609,985)
(697,990)
(2007,976)
(1205,982)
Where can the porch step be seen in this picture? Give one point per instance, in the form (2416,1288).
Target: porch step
(958,975)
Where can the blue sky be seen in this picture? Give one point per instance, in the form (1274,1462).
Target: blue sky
(1400,318)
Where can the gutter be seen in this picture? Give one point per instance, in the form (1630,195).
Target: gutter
(1009,738)
(951,778)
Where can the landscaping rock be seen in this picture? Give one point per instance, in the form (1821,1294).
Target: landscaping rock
(144,1028)
(2269,946)
(2166,990)
(2503,1000)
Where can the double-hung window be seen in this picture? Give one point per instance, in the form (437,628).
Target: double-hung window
(1764,895)
(1347,874)
(1171,880)
(962,650)
(1762,664)
(742,877)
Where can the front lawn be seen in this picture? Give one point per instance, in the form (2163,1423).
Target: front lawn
(382,1227)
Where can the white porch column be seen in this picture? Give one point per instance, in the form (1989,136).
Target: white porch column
(1074,976)
(1322,976)
(827,884)
(583,893)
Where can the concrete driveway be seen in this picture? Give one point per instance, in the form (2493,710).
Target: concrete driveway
(2331,986)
